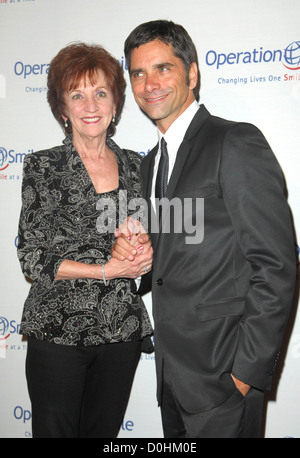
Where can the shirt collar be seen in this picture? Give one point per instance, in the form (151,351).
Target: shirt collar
(177,130)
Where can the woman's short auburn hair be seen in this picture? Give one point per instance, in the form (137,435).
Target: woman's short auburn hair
(75,62)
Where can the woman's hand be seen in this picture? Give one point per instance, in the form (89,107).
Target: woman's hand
(132,257)
(140,265)
(70,270)
(132,240)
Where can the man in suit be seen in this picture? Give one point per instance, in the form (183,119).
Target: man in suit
(221,296)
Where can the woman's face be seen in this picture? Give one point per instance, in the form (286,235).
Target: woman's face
(90,108)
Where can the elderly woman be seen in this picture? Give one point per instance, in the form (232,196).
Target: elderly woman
(85,324)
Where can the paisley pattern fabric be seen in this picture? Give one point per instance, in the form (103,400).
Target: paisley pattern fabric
(63,217)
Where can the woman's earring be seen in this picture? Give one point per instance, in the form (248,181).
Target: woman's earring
(113,119)
(66,123)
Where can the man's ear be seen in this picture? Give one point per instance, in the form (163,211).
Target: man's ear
(193,75)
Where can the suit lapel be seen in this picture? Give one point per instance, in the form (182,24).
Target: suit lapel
(184,151)
(181,158)
(185,147)
(147,180)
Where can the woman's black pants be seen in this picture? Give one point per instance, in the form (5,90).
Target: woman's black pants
(79,392)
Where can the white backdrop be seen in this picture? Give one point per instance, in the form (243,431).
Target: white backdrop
(244,50)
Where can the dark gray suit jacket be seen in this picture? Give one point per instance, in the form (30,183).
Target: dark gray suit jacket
(221,306)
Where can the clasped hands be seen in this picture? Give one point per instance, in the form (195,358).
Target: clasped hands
(132,253)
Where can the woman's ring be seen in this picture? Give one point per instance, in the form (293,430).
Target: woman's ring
(146,269)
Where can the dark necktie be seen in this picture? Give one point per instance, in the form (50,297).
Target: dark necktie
(162,172)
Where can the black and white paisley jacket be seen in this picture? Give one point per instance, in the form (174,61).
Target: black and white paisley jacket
(63,217)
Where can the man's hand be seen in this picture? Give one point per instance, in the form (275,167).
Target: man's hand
(132,240)
(241,386)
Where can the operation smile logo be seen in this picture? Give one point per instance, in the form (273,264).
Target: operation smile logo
(4,327)
(8,329)
(4,335)
(288,57)
(3,159)
(9,156)
(292,56)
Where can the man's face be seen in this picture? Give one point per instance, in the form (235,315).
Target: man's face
(159,82)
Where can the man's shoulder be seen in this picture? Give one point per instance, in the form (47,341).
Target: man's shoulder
(225,124)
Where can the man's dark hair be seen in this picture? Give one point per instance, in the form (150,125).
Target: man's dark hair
(169,33)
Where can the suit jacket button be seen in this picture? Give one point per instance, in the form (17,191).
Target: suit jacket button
(159,282)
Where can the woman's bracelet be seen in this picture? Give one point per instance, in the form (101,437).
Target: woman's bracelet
(106,282)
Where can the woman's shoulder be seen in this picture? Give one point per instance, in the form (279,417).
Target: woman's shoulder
(45,156)
(127,156)
(133,156)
